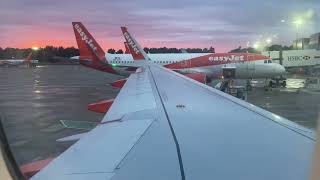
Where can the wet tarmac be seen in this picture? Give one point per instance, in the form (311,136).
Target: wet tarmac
(34,100)
(296,106)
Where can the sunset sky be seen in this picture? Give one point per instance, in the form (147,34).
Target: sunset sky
(223,24)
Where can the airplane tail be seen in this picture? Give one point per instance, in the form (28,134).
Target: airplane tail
(88,46)
(29,57)
(134,47)
(126,48)
(91,53)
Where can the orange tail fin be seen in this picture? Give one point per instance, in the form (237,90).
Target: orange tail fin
(29,57)
(127,48)
(133,46)
(88,46)
(91,54)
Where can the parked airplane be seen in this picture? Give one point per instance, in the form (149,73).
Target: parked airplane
(246,65)
(17,62)
(153,131)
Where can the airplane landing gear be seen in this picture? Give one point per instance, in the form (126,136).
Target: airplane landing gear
(276,82)
(271,84)
(228,86)
(249,85)
(284,83)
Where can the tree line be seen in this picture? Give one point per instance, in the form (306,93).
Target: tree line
(47,54)
(275,47)
(54,54)
(168,50)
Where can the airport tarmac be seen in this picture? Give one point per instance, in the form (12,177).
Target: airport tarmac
(34,100)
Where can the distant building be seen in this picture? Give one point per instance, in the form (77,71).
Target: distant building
(305,53)
(315,41)
(301,43)
(295,58)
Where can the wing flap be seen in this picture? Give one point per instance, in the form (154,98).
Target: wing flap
(74,137)
(112,141)
(85,176)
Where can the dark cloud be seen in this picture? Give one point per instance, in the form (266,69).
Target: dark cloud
(227,22)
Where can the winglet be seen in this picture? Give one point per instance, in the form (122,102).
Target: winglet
(134,47)
(88,46)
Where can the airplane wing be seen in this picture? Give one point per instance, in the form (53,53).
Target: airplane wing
(163,125)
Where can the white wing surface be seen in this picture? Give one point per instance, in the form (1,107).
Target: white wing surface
(163,125)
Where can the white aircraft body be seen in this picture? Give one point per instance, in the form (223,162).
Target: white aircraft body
(246,65)
(263,68)
(163,125)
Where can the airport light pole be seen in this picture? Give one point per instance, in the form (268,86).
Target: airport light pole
(298,23)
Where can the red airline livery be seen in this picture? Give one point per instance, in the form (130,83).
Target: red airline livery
(211,65)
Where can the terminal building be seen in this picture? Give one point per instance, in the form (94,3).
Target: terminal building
(313,42)
(305,54)
(301,43)
(295,58)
